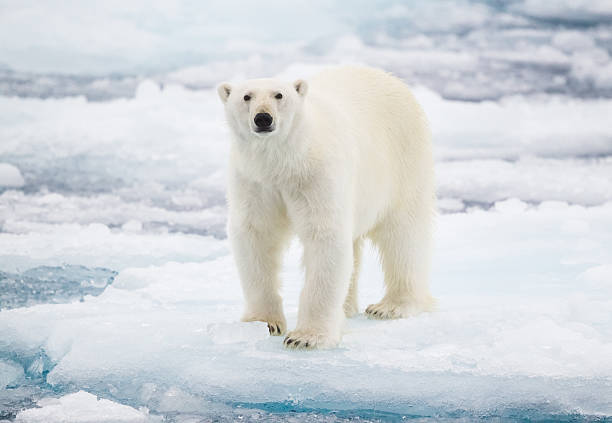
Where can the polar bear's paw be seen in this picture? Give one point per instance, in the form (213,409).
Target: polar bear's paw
(307,340)
(385,310)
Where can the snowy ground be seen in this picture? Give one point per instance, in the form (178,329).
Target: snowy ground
(119,301)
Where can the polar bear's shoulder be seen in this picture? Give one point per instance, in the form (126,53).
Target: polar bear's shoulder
(360,88)
(356,77)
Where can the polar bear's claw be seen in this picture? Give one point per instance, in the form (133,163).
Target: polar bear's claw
(384,311)
(301,341)
(275,329)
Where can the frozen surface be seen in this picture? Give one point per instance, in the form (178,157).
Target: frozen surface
(511,332)
(119,300)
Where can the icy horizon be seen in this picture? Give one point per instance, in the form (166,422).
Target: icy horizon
(464,50)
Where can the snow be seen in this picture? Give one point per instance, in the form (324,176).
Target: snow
(119,298)
(82,407)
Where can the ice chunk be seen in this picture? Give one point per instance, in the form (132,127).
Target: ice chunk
(458,132)
(450,205)
(83,407)
(572,41)
(10,374)
(148,90)
(132,215)
(95,246)
(10,176)
(511,206)
(132,225)
(573,11)
(586,181)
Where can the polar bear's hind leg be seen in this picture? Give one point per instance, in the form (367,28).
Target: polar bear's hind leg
(351,304)
(403,240)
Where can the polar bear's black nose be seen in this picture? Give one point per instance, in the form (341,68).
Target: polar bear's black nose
(263,120)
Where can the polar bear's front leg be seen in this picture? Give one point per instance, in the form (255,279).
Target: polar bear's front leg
(328,261)
(258,256)
(258,231)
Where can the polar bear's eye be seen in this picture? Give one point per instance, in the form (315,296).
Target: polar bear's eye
(278,96)
(247,97)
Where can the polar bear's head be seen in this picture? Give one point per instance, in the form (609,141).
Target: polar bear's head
(262,107)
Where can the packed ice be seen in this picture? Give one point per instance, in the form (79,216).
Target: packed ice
(119,300)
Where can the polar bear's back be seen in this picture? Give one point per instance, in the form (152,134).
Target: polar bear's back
(385,124)
(359,83)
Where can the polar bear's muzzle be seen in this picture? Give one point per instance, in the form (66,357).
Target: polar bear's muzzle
(263,122)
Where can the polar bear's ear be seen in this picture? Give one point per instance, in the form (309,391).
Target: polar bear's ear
(301,87)
(224,91)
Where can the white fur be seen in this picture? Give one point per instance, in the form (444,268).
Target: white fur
(350,157)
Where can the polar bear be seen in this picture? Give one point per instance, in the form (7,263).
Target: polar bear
(342,157)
